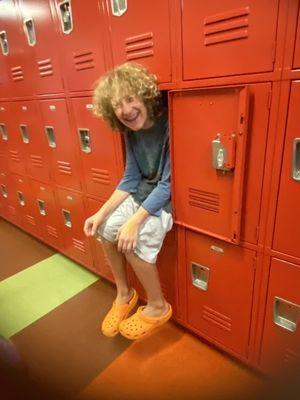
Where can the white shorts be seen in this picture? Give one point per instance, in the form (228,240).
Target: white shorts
(151,234)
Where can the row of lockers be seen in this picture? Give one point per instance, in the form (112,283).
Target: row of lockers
(45,51)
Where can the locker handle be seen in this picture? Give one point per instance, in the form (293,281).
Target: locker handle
(296,160)
(50,136)
(4,43)
(223,152)
(85,140)
(21,198)
(286,314)
(67,218)
(42,207)
(24,133)
(3,132)
(30,31)
(118,7)
(4,191)
(200,276)
(66,16)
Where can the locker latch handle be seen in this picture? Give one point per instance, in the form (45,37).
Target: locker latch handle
(118,7)
(50,136)
(85,140)
(223,152)
(286,314)
(42,207)
(67,218)
(24,133)
(66,16)
(21,198)
(3,132)
(4,43)
(4,191)
(30,31)
(200,276)
(296,160)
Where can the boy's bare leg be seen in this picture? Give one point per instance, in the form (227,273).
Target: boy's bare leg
(148,276)
(118,266)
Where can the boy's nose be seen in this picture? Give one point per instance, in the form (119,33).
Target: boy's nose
(126,107)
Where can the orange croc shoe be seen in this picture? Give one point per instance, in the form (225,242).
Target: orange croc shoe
(118,312)
(139,325)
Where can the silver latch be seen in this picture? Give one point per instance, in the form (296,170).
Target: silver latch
(296,160)
(50,136)
(4,43)
(118,7)
(65,13)
(200,276)
(3,132)
(85,140)
(30,31)
(286,314)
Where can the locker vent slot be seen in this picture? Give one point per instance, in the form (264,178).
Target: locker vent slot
(79,245)
(84,60)
(30,219)
(139,46)
(100,176)
(17,74)
(36,161)
(64,167)
(227,26)
(3,132)
(45,67)
(216,318)
(4,43)
(4,191)
(14,156)
(206,200)
(51,231)
(291,357)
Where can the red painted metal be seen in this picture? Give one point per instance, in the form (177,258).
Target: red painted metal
(82,45)
(142,35)
(206,198)
(296,63)
(62,143)
(223,310)
(281,337)
(227,38)
(98,149)
(287,229)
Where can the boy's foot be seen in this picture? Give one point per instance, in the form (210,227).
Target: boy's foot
(155,311)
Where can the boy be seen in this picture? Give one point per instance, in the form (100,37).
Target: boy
(133,222)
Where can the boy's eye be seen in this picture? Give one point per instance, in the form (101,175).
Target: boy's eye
(129,99)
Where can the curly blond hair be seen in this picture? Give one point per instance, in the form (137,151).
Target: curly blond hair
(126,80)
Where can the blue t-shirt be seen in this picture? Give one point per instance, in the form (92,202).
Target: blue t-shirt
(147,171)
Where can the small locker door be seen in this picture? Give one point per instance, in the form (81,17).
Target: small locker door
(220,280)
(47,217)
(45,36)
(19,37)
(140,32)
(3,137)
(101,262)
(281,338)
(98,149)
(296,63)
(72,216)
(62,144)
(287,227)
(28,124)
(26,204)
(209,128)
(228,37)
(9,208)
(81,25)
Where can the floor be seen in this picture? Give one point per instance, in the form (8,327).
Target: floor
(60,353)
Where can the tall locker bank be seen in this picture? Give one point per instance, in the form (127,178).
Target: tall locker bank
(231,265)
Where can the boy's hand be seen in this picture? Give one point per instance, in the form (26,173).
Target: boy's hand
(127,236)
(92,223)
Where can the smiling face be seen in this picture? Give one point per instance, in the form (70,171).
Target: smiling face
(132,113)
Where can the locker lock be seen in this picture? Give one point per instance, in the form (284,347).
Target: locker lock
(118,7)
(286,314)
(4,43)
(296,160)
(223,152)
(65,13)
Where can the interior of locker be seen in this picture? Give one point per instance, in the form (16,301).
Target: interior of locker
(230,72)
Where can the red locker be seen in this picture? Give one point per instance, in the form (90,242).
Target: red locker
(210,126)
(281,337)
(47,216)
(229,37)
(287,228)
(220,280)
(45,34)
(81,26)
(72,215)
(20,57)
(141,33)
(101,262)
(13,142)
(296,63)
(27,123)
(26,204)
(8,202)
(3,139)
(62,144)
(98,148)
(4,76)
